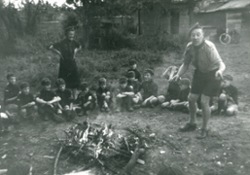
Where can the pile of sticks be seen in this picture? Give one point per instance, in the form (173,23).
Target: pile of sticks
(102,144)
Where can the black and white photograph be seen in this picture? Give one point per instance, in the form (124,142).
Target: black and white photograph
(124,87)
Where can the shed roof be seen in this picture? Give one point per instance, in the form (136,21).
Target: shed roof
(230,5)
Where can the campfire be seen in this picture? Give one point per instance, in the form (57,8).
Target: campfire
(101,145)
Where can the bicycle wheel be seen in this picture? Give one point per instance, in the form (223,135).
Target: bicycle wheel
(225,39)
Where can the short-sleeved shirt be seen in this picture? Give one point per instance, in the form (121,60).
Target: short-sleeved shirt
(135,85)
(24,99)
(10,91)
(47,95)
(66,97)
(204,57)
(183,96)
(231,91)
(137,74)
(149,88)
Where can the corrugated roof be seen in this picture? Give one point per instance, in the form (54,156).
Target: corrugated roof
(234,4)
(230,5)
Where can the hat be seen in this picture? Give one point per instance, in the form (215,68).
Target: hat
(123,80)
(102,81)
(24,85)
(60,81)
(185,81)
(195,26)
(131,74)
(45,82)
(228,77)
(150,71)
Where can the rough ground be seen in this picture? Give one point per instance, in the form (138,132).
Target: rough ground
(225,152)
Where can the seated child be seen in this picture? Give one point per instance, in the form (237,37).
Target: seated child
(26,101)
(103,95)
(149,89)
(66,102)
(11,93)
(228,98)
(86,100)
(133,68)
(125,95)
(173,89)
(135,85)
(48,102)
(181,103)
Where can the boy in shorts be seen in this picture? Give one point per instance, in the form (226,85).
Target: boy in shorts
(209,67)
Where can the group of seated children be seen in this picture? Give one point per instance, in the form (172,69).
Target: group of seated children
(59,105)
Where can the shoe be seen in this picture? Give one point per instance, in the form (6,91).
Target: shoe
(203,134)
(188,127)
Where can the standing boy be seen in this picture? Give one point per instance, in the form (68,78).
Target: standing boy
(103,95)
(228,98)
(149,89)
(209,67)
(48,102)
(26,101)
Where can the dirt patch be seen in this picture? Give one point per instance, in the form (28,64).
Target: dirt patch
(225,152)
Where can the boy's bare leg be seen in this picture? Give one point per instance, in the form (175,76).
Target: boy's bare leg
(206,111)
(192,99)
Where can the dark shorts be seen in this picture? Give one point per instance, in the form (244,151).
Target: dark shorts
(205,83)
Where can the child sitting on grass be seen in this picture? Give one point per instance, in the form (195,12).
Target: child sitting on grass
(125,95)
(11,93)
(181,103)
(27,104)
(66,102)
(86,100)
(149,89)
(173,89)
(47,100)
(135,85)
(228,98)
(133,68)
(103,95)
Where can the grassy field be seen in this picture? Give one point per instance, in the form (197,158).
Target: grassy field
(225,152)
